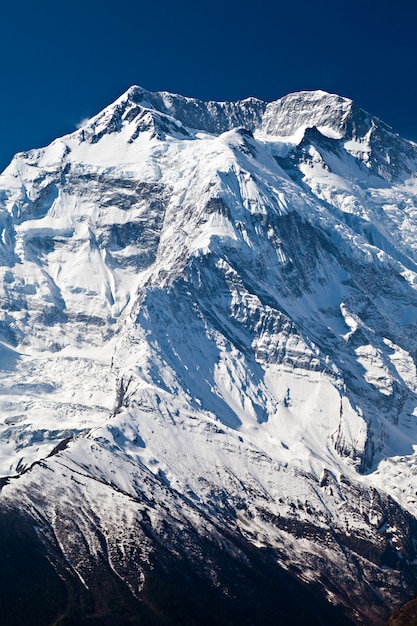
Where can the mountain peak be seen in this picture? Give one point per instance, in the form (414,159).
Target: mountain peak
(214,116)
(337,115)
(208,351)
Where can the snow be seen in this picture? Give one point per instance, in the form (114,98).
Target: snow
(375,371)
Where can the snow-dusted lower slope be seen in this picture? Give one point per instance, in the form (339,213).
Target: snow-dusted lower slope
(208,346)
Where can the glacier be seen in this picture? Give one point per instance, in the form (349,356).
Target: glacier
(208,357)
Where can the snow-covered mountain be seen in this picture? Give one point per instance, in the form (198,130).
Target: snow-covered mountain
(208,359)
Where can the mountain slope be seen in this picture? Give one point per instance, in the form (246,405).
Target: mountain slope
(208,358)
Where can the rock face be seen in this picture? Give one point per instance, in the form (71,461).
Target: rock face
(208,364)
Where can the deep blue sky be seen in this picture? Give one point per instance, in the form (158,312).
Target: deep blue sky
(65,61)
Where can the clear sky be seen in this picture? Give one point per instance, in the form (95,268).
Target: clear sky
(64,61)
